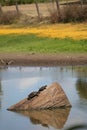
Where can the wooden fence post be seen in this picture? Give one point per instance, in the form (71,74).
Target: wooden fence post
(81,3)
(37,8)
(58,8)
(0,8)
(17,9)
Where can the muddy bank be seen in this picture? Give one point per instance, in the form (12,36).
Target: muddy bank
(42,59)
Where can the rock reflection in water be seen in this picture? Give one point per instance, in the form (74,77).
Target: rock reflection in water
(55,118)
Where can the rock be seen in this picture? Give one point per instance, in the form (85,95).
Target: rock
(52,97)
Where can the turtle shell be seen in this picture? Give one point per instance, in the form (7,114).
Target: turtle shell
(32,94)
(42,88)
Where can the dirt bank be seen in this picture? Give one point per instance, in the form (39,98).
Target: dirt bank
(43,59)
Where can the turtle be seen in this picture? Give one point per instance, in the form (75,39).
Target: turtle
(42,88)
(32,94)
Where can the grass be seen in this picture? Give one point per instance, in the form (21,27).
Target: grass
(33,44)
(56,38)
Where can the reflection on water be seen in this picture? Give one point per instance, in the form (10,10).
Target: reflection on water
(17,82)
(81,87)
(77,127)
(55,118)
(0,93)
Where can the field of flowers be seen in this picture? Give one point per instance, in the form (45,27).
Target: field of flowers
(73,31)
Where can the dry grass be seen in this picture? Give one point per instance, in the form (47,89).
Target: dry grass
(30,9)
(48,12)
(29,13)
(9,17)
(74,13)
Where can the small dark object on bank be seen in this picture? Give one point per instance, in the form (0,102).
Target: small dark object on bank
(32,94)
(42,88)
(5,63)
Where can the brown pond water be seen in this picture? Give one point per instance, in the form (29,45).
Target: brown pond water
(17,82)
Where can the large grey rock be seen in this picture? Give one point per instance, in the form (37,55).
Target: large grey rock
(51,97)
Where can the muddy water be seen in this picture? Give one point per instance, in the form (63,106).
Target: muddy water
(17,82)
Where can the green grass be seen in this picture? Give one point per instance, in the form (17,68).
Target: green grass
(31,43)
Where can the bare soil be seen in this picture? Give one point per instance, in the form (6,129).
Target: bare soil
(30,9)
(43,59)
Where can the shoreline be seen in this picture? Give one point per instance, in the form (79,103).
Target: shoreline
(20,59)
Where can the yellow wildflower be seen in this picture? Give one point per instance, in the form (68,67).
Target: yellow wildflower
(74,31)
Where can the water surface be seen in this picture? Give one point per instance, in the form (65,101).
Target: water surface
(17,82)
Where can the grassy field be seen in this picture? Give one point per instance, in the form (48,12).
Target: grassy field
(32,44)
(53,38)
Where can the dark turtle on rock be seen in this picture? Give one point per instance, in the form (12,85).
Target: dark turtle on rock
(32,94)
(42,88)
